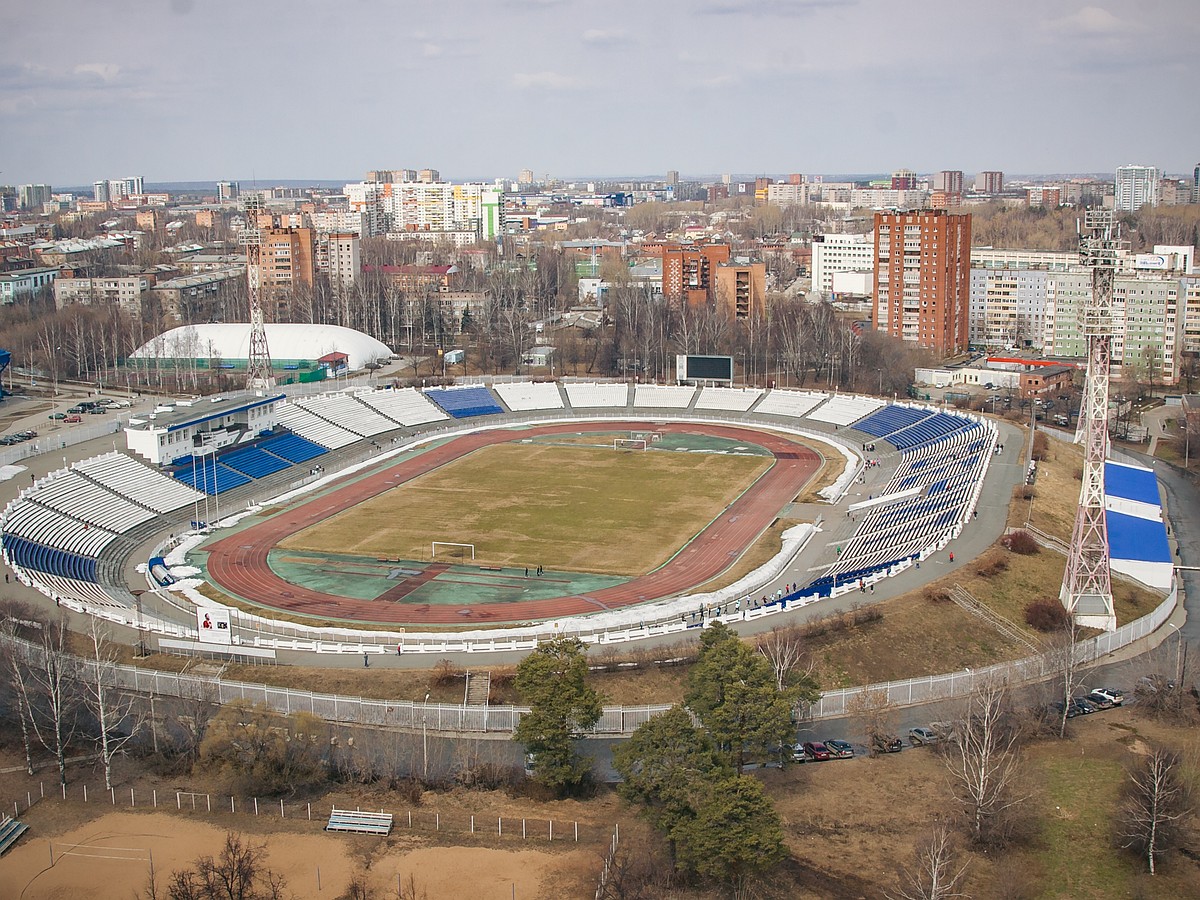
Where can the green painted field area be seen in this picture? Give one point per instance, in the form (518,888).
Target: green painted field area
(571,508)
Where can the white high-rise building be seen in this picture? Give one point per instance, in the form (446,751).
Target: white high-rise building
(1135,187)
(419,208)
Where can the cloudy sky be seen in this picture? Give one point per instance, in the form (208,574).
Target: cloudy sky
(194,90)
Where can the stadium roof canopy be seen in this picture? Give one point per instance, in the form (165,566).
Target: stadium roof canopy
(230,342)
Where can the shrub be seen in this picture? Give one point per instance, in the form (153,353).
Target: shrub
(1041,446)
(1021,542)
(992,566)
(1046,615)
(936,595)
(444,673)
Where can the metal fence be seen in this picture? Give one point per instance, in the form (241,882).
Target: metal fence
(614,721)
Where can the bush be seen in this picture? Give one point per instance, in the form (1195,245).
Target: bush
(992,566)
(1046,615)
(1041,446)
(444,673)
(1021,542)
(936,595)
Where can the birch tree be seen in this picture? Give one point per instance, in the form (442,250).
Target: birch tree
(50,693)
(936,875)
(113,710)
(984,759)
(1156,801)
(10,627)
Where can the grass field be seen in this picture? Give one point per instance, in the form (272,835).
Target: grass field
(571,508)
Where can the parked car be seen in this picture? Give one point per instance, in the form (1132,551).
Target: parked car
(798,754)
(1099,701)
(74,417)
(839,749)
(887,743)
(58,415)
(1152,684)
(1114,695)
(97,410)
(1056,710)
(1083,706)
(922,735)
(816,750)
(75,410)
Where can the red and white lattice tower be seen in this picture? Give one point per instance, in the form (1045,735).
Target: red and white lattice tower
(258,370)
(1087,583)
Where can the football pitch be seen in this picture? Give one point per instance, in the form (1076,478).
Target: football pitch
(571,508)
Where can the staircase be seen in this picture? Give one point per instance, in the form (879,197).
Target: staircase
(967,601)
(479,688)
(10,830)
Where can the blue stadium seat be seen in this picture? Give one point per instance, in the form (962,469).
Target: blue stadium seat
(292,447)
(463,403)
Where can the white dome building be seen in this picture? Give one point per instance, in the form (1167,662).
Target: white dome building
(227,345)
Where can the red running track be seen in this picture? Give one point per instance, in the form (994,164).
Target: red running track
(238,563)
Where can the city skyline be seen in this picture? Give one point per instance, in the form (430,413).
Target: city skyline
(187,91)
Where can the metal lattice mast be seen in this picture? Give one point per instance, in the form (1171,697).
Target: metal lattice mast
(1087,583)
(258,370)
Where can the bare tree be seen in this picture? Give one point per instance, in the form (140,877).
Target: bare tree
(783,647)
(877,716)
(936,875)
(117,723)
(13,620)
(984,760)
(50,693)
(239,871)
(1068,664)
(1155,803)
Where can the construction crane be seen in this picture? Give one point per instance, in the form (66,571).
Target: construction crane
(1087,582)
(259,377)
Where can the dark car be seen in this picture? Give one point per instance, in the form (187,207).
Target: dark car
(1056,710)
(1099,701)
(98,410)
(58,415)
(888,743)
(1083,706)
(839,749)
(75,410)
(816,750)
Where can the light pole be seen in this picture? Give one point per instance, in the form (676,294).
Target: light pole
(425,740)
(880,371)
(141,622)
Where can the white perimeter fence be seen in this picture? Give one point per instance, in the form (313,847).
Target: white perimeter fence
(615,720)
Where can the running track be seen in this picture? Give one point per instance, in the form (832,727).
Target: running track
(238,563)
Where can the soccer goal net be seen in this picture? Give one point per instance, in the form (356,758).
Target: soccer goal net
(451,549)
(629,443)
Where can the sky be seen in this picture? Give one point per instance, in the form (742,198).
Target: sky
(261,90)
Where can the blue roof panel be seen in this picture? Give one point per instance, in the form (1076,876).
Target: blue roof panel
(1130,537)
(1131,483)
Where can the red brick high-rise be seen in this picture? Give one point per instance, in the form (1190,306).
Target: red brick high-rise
(689,274)
(922,278)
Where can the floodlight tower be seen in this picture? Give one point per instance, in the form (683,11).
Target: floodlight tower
(1087,583)
(258,370)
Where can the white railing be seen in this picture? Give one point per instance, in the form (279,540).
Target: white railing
(615,720)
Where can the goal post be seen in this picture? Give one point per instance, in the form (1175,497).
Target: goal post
(629,444)
(462,548)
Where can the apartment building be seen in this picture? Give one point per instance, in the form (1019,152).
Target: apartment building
(1135,187)
(989,182)
(949,180)
(1008,307)
(689,273)
(125,291)
(288,260)
(741,290)
(339,256)
(204,297)
(788,194)
(24,283)
(922,278)
(428,207)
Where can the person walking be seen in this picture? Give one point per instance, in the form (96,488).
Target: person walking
(951,556)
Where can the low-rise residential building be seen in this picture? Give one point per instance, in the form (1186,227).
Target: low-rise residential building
(125,291)
(1042,382)
(199,298)
(22,284)
(741,289)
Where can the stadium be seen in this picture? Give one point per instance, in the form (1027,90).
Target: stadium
(134,537)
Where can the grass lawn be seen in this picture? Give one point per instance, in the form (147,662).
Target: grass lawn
(573,508)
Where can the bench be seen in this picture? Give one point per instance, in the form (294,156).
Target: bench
(361,822)
(10,830)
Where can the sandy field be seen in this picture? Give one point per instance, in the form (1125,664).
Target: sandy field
(108,859)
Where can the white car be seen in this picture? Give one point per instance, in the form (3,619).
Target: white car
(1112,695)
